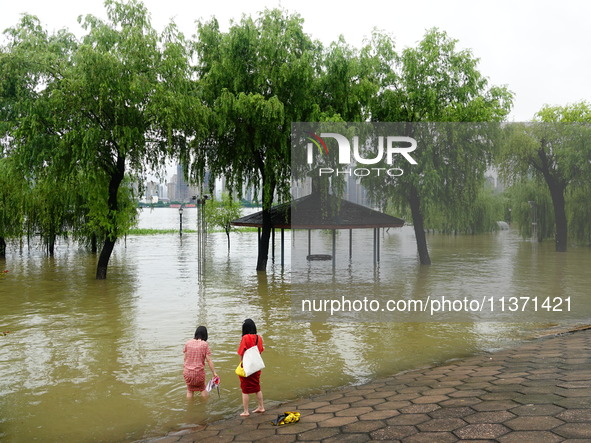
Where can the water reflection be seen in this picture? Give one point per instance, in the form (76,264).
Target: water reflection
(89,360)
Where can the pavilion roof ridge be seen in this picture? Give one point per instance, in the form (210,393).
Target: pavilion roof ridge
(316,211)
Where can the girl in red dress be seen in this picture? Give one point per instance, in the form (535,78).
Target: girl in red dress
(197,352)
(252,383)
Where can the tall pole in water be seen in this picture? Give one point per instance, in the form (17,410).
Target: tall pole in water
(201,233)
(181,221)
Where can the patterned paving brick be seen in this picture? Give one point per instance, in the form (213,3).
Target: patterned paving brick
(575,415)
(316,418)
(346,400)
(392,405)
(431,437)
(318,434)
(458,402)
(490,417)
(368,402)
(393,432)
(574,430)
(379,415)
(481,431)
(457,412)
(363,426)
(441,424)
(331,409)
(353,412)
(416,409)
(430,399)
(348,438)
(408,419)
(530,437)
(292,430)
(495,405)
(336,422)
(549,410)
(467,393)
(533,423)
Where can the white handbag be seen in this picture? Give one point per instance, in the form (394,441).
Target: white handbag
(252,360)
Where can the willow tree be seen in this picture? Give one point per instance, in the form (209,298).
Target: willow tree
(531,208)
(257,78)
(14,191)
(101,107)
(220,214)
(556,149)
(435,82)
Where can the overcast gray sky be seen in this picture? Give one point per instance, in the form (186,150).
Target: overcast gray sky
(539,49)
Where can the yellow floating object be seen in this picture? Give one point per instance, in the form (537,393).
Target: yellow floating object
(286,418)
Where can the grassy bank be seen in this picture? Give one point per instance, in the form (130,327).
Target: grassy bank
(185,231)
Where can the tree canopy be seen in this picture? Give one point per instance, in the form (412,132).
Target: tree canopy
(437,82)
(257,78)
(556,151)
(97,108)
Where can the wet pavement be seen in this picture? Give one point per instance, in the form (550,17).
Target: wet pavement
(539,392)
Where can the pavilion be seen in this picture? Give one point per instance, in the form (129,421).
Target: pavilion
(327,212)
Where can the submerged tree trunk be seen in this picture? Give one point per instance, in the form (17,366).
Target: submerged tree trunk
(557,186)
(51,243)
(268,186)
(228,237)
(557,193)
(111,238)
(93,244)
(264,241)
(419,227)
(103,262)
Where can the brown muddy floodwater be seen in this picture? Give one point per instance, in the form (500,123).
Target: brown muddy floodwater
(87,361)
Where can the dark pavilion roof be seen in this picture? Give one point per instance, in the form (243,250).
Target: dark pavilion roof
(322,212)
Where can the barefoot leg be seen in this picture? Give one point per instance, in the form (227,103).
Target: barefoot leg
(245,405)
(261,407)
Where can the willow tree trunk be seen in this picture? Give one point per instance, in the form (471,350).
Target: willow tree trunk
(557,187)
(103,262)
(419,227)
(93,244)
(268,187)
(557,193)
(264,241)
(117,175)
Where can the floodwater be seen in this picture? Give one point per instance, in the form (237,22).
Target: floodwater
(101,361)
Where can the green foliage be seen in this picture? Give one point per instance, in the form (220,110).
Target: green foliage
(482,215)
(531,209)
(14,191)
(256,78)
(85,113)
(437,82)
(578,210)
(556,150)
(99,220)
(220,214)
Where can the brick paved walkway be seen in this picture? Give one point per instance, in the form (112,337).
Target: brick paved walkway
(539,392)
